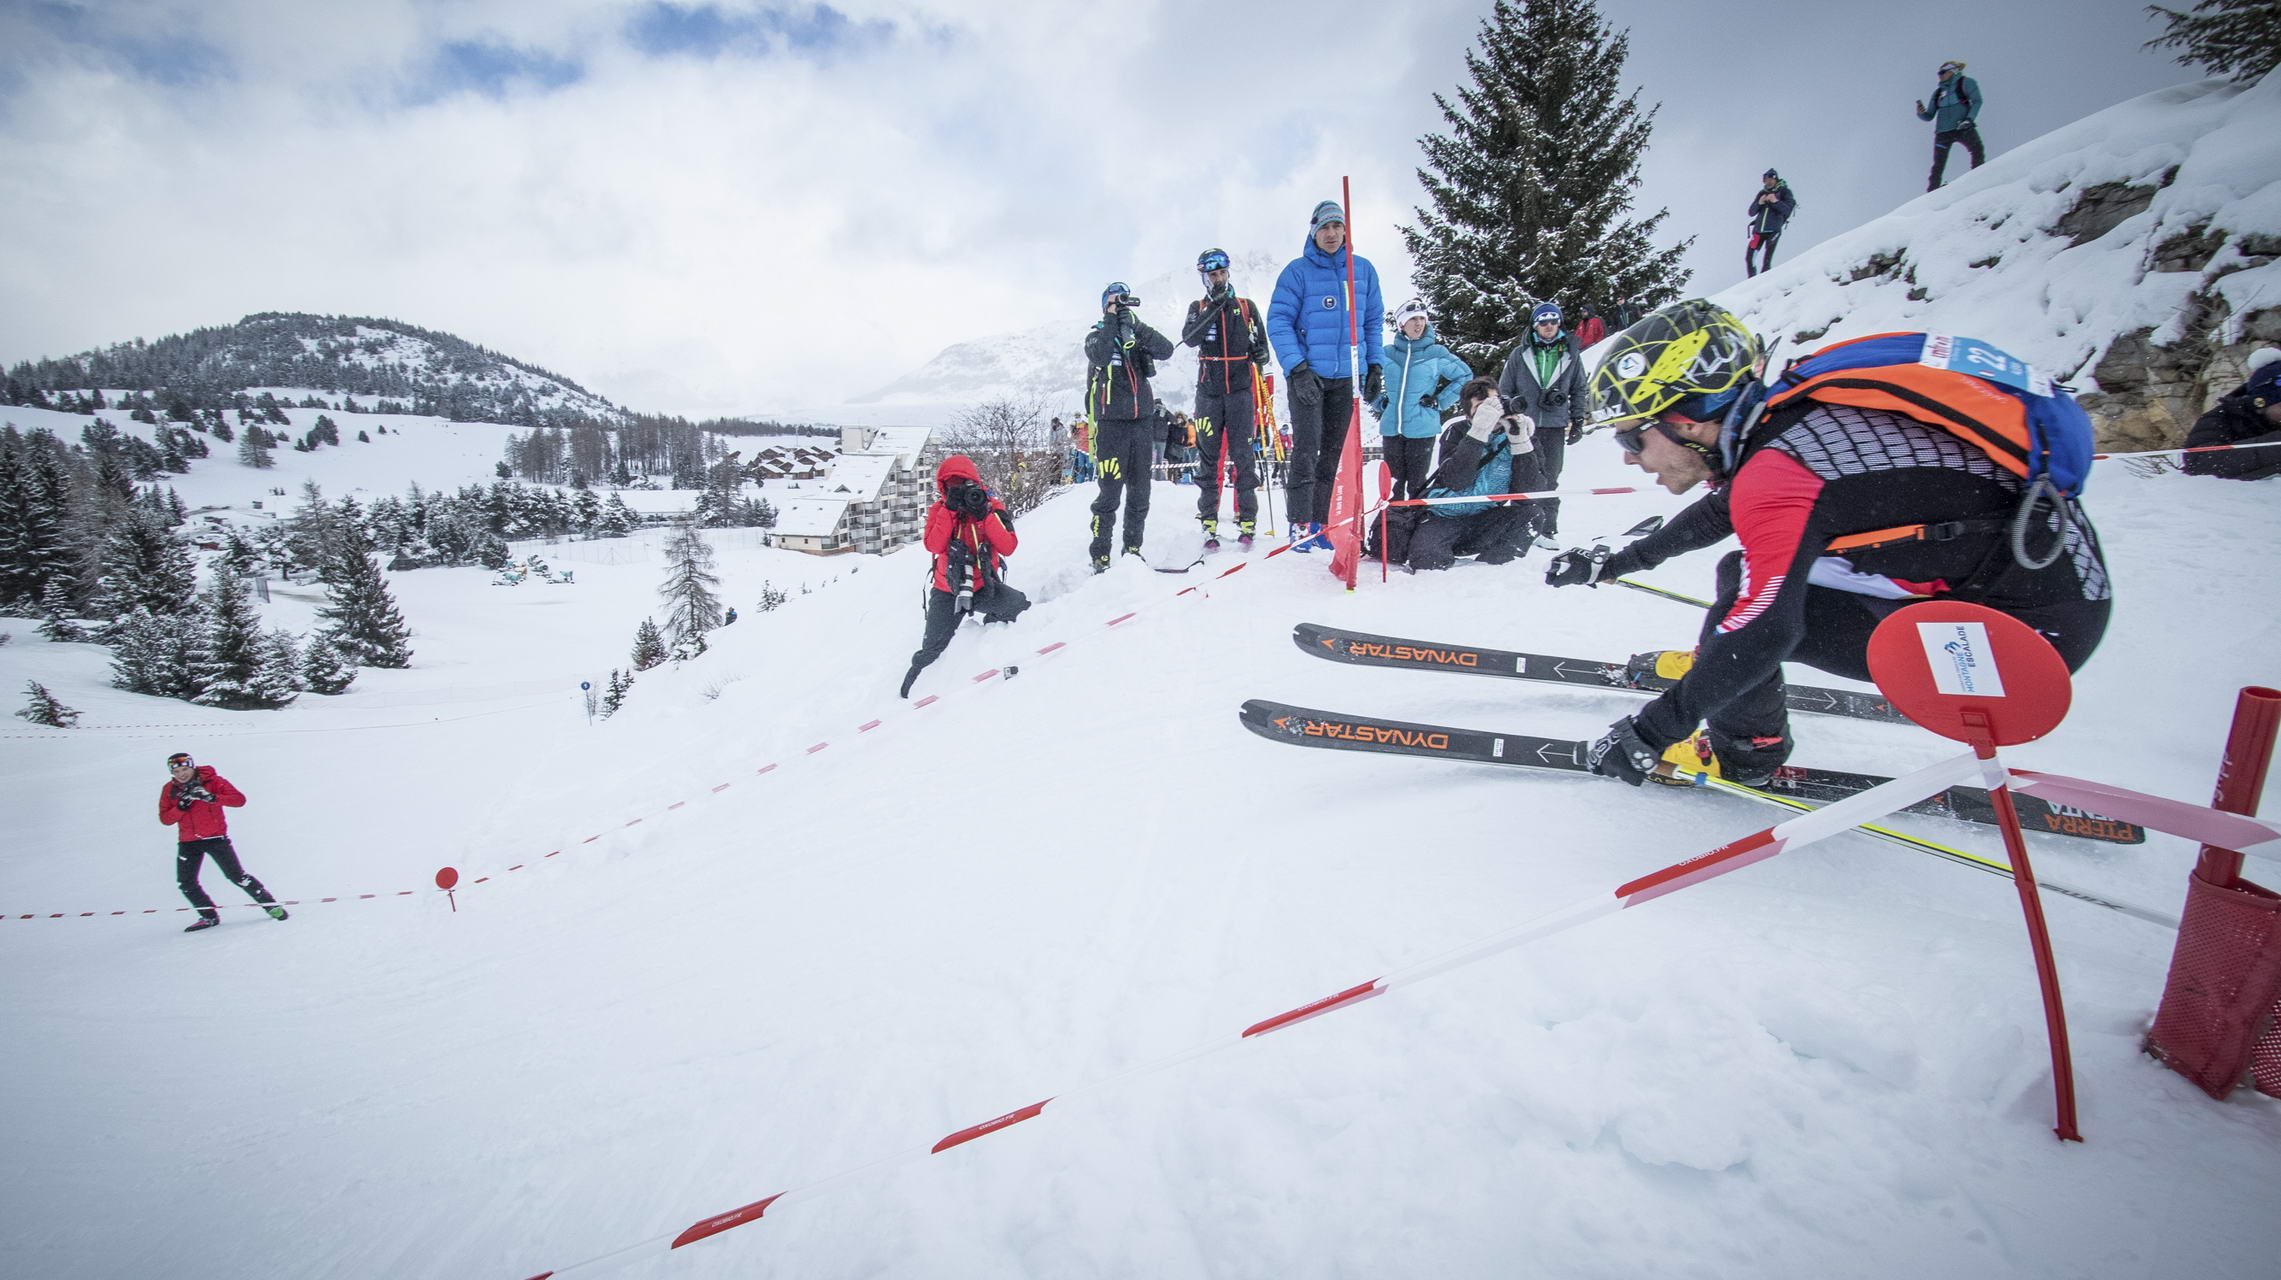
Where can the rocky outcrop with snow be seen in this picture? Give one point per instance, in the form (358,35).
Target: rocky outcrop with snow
(2132,253)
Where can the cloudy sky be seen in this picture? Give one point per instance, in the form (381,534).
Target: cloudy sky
(759,207)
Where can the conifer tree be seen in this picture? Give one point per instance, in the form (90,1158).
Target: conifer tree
(226,666)
(254,447)
(1532,185)
(365,620)
(649,646)
(44,709)
(277,680)
(37,545)
(614,696)
(56,621)
(144,566)
(152,654)
(2237,38)
(324,668)
(692,606)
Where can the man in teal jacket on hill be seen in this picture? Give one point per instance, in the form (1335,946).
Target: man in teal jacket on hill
(1955,114)
(1307,325)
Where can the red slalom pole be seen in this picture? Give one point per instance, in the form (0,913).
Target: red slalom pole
(1983,745)
(2241,775)
(1353,377)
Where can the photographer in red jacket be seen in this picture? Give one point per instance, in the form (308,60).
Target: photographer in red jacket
(969,533)
(192,802)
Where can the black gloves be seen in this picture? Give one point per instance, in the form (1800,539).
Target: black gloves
(1374,383)
(1623,754)
(1427,401)
(1577,567)
(1575,432)
(187,792)
(1306,386)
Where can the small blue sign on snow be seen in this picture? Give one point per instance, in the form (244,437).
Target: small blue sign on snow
(584,685)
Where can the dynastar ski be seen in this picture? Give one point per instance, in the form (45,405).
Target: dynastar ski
(1647,673)
(1340,731)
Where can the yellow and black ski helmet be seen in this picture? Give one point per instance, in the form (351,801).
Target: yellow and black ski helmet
(1691,356)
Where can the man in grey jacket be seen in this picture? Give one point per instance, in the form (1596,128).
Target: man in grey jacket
(1543,381)
(1955,114)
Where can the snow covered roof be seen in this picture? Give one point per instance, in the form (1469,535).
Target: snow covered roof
(862,475)
(909,442)
(809,517)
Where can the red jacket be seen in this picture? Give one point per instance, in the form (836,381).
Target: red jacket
(204,821)
(993,530)
(1591,331)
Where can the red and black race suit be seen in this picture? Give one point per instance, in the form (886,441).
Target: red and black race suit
(1814,473)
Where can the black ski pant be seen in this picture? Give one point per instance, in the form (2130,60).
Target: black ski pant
(1969,135)
(1124,455)
(1411,459)
(1318,433)
(1437,541)
(1225,432)
(1758,255)
(1755,727)
(1537,470)
(191,853)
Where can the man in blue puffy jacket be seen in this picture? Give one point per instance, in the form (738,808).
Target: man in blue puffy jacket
(1308,324)
(1955,114)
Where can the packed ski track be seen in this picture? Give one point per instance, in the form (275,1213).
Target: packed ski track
(1832,1062)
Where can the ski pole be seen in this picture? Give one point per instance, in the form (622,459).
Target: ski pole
(1668,595)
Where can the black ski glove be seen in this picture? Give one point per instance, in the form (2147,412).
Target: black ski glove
(1623,754)
(1374,382)
(1306,386)
(1575,432)
(1577,567)
(1427,401)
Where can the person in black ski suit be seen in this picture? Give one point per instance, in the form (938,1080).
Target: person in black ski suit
(1543,381)
(1230,338)
(1770,209)
(1121,354)
(2250,414)
(1806,587)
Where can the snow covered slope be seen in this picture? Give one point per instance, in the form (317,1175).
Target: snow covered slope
(2116,252)
(676,984)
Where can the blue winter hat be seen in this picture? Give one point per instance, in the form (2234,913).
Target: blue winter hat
(1545,311)
(1327,211)
(2264,384)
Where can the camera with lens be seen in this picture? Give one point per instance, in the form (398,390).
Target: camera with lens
(1126,300)
(1555,399)
(960,570)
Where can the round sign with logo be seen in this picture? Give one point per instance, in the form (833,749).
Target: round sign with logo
(1969,673)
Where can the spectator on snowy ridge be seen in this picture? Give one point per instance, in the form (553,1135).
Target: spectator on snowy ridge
(2250,414)
(1478,458)
(1591,328)
(1769,210)
(1121,352)
(1955,114)
(1543,382)
(1422,384)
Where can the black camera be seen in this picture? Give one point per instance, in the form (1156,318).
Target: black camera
(1126,300)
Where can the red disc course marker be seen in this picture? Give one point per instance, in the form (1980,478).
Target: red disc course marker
(1969,673)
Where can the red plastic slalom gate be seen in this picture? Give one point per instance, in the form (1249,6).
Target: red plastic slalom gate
(2220,1016)
(1985,678)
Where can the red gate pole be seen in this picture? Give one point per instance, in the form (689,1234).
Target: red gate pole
(2039,937)
(2241,774)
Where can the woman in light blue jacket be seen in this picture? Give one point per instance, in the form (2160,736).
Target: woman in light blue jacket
(1422,382)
